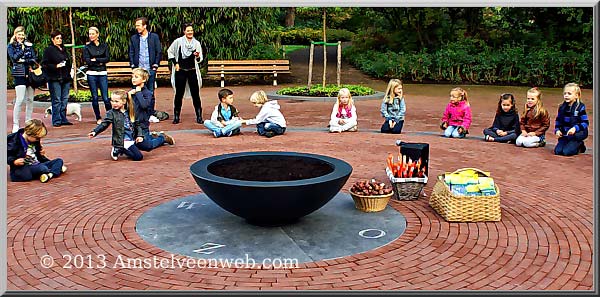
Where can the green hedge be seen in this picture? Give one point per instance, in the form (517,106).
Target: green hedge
(306,35)
(80,96)
(479,64)
(327,91)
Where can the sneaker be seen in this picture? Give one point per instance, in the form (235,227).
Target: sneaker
(114,154)
(582,148)
(67,124)
(99,121)
(153,119)
(63,169)
(45,177)
(542,143)
(353,129)
(217,133)
(168,138)
(269,134)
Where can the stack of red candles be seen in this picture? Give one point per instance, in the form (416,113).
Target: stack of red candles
(403,168)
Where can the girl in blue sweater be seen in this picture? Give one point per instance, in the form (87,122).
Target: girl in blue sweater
(571,126)
(393,108)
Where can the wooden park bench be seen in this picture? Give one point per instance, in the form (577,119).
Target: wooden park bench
(247,67)
(123,69)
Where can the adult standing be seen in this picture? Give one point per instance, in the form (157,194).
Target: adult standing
(145,50)
(185,55)
(22,56)
(57,64)
(96,55)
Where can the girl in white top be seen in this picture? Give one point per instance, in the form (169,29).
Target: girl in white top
(269,121)
(343,115)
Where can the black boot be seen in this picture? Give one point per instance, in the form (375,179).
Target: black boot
(176,117)
(199,116)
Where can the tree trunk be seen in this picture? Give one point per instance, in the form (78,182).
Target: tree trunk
(290,16)
(324,48)
(74,62)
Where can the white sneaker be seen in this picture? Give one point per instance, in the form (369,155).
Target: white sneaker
(153,119)
(63,169)
(114,154)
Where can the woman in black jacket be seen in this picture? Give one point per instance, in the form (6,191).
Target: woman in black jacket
(57,65)
(22,56)
(96,55)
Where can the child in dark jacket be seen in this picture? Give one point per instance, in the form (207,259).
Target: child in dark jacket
(571,126)
(143,103)
(126,130)
(506,123)
(26,156)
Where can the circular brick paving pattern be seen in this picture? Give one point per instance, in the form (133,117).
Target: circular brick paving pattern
(543,242)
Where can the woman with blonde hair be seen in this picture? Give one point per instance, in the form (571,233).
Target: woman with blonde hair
(22,56)
(96,55)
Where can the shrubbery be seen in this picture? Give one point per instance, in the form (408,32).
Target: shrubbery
(79,96)
(306,35)
(328,91)
(477,63)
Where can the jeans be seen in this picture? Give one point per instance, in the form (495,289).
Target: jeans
(30,172)
(101,81)
(568,145)
(151,79)
(59,93)
(506,138)
(233,127)
(132,152)
(264,127)
(452,131)
(24,93)
(385,128)
(150,142)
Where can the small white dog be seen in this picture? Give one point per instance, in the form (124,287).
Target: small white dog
(72,109)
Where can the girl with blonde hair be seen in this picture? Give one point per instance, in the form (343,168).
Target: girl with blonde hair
(393,108)
(457,116)
(23,58)
(343,115)
(534,121)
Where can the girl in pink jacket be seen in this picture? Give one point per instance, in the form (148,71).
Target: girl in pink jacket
(457,116)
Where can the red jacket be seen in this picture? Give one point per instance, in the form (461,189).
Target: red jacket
(458,114)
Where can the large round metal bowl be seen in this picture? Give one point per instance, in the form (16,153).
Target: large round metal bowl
(270,188)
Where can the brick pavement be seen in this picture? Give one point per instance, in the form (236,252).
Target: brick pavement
(544,241)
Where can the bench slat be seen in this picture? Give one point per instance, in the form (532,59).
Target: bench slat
(247,62)
(126,64)
(247,68)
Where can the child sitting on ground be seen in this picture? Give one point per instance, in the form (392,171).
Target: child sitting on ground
(143,105)
(506,122)
(225,120)
(269,120)
(393,108)
(26,156)
(343,115)
(534,121)
(572,122)
(457,116)
(126,130)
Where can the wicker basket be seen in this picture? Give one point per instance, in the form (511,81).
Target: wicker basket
(460,208)
(371,203)
(406,188)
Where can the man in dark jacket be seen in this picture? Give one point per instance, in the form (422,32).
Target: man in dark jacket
(145,51)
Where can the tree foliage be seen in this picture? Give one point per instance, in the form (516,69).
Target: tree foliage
(229,33)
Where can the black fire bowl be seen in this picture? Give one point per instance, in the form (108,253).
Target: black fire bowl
(270,188)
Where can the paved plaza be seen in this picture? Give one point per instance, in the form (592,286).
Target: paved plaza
(543,242)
